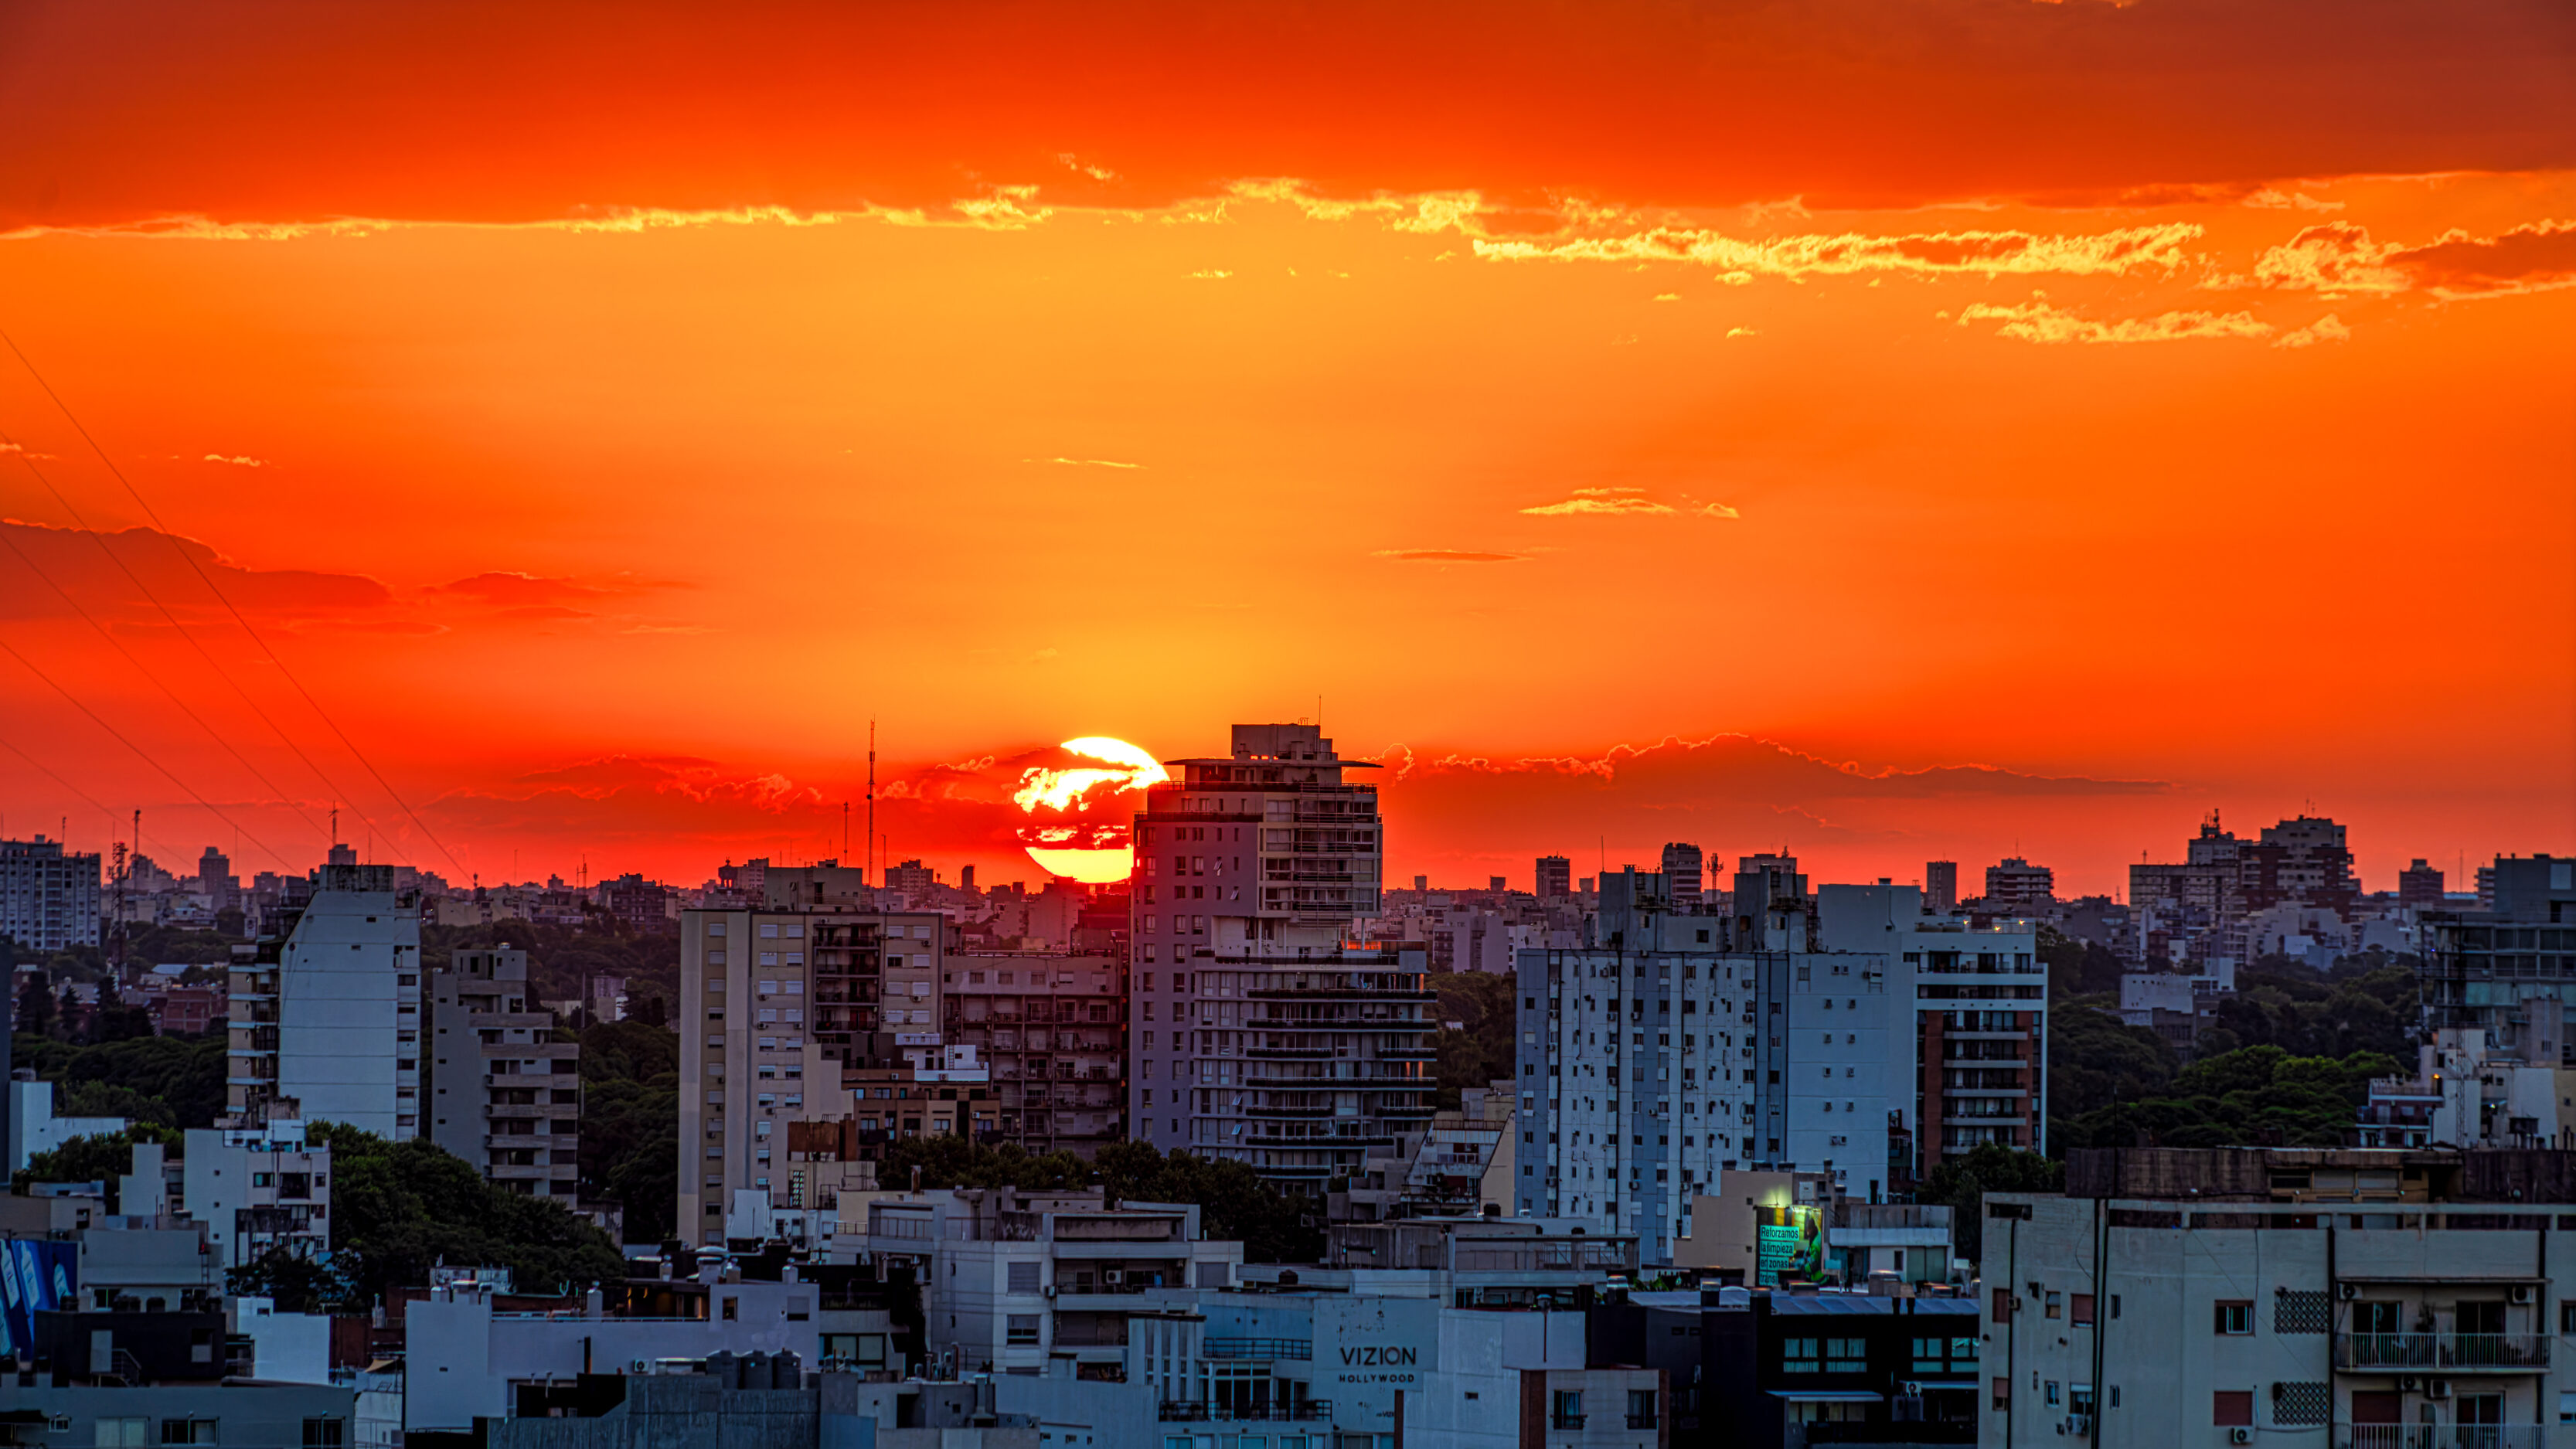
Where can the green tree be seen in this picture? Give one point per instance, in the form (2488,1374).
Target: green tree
(1963,1182)
(1480,1050)
(298,1284)
(398,1208)
(630,1123)
(2094,1059)
(35,1008)
(104,1158)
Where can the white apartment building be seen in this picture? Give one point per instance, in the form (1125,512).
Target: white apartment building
(326,1021)
(503,1094)
(1261,1034)
(1850,1035)
(255,1188)
(772,1003)
(48,899)
(2351,1324)
(1029,1283)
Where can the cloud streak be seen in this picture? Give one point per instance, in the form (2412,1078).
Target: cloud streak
(2051,326)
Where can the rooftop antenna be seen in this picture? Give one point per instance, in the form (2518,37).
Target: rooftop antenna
(867,869)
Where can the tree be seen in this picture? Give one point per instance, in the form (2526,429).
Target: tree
(2252,1096)
(35,1008)
(2077,968)
(1480,1051)
(1963,1182)
(2094,1060)
(630,1123)
(297,1284)
(104,1158)
(398,1208)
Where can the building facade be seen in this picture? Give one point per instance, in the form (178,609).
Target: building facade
(502,1093)
(1262,1033)
(1053,1031)
(2363,1316)
(48,899)
(1850,1034)
(326,1019)
(773,1003)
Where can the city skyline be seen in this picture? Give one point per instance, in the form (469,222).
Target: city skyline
(603,483)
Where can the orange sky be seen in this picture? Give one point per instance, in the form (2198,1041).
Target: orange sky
(1954,429)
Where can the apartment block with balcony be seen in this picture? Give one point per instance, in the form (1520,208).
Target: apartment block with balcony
(1261,1032)
(326,1015)
(773,1004)
(503,1094)
(1052,1030)
(1048,1283)
(2357,1311)
(49,898)
(255,1188)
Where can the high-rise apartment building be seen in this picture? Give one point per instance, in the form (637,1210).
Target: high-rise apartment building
(772,1004)
(501,1092)
(2015,887)
(1263,1034)
(1555,877)
(2420,886)
(48,899)
(326,1017)
(1850,1034)
(1941,886)
(1682,876)
(1053,1032)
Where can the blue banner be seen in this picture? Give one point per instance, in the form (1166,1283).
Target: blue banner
(35,1277)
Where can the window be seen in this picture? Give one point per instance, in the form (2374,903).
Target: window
(2567,1315)
(732,1309)
(2232,1408)
(1927,1355)
(2003,1304)
(121,1433)
(2052,1393)
(1846,1356)
(1024,1277)
(1641,1408)
(2056,1306)
(2083,1306)
(325,1433)
(2002,1392)
(1567,1412)
(1798,1355)
(187,1431)
(2235,1316)
(1021,1328)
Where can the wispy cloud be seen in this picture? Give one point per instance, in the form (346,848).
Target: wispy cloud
(1962,253)
(1448,555)
(1628,502)
(2328,328)
(2269,199)
(237,462)
(2340,257)
(1211,275)
(1083,462)
(2039,322)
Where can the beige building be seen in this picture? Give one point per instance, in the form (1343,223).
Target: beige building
(503,1094)
(1725,1225)
(770,1003)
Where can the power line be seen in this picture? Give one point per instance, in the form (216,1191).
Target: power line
(211,587)
(146,671)
(211,807)
(112,815)
(99,540)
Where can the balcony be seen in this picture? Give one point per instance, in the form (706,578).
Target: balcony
(2446,1352)
(1265,1349)
(1302,1411)
(2441,1436)
(1566,1421)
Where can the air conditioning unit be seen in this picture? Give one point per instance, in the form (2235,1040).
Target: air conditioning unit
(640,1366)
(2438,1388)
(2347,1291)
(2410,1386)
(2520,1293)
(2240,1435)
(1910,1389)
